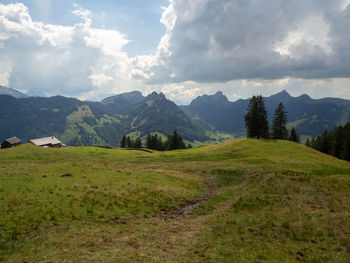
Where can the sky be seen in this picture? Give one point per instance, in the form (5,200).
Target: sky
(94,49)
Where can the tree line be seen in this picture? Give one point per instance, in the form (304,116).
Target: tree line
(154,142)
(336,142)
(257,125)
(126,142)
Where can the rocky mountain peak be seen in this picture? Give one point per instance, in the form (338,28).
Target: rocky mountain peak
(154,96)
(216,98)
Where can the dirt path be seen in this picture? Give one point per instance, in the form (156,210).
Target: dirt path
(184,209)
(191,205)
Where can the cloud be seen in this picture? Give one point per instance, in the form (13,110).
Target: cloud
(224,40)
(241,47)
(84,14)
(46,59)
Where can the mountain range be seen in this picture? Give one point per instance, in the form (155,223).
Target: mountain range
(309,116)
(104,123)
(94,123)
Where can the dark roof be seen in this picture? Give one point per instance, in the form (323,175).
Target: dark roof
(13,140)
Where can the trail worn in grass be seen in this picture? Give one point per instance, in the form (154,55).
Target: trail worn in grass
(242,201)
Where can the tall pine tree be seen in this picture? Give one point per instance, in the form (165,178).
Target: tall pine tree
(149,141)
(294,137)
(308,143)
(160,145)
(175,141)
(256,119)
(128,142)
(336,141)
(322,142)
(123,142)
(279,129)
(345,154)
(138,143)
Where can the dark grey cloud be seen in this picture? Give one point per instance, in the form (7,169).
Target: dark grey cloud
(223,40)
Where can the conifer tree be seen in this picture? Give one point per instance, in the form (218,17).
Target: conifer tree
(336,141)
(308,143)
(174,141)
(123,142)
(128,142)
(313,143)
(346,142)
(154,142)
(322,142)
(279,130)
(168,142)
(160,146)
(294,137)
(256,119)
(149,141)
(138,143)
(182,144)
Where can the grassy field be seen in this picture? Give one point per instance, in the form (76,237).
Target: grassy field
(259,201)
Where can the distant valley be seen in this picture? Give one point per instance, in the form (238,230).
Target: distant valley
(104,123)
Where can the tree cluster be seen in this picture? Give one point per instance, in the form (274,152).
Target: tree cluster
(155,142)
(173,142)
(336,142)
(257,125)
(126,142)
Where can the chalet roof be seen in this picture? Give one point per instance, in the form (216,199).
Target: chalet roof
(13,140)
(52,140)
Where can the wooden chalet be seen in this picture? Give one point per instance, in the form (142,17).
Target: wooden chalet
(51,141)
(11,142)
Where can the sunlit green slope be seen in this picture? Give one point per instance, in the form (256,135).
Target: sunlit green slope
(253,201)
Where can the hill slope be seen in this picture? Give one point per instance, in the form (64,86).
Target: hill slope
(266,201)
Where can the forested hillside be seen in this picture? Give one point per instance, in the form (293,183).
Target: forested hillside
(93,123)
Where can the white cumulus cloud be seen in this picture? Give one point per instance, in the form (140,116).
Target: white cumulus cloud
(241,47)
(46,59)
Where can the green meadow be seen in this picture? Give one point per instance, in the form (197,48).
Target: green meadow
(240,201)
